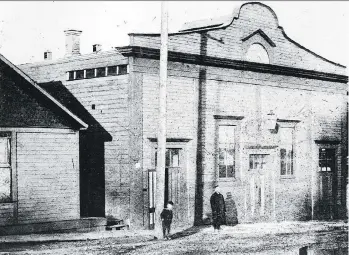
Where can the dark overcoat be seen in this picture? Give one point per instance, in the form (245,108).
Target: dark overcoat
(218,208)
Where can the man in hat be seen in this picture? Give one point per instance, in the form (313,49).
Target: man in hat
(218,209)
(166,218)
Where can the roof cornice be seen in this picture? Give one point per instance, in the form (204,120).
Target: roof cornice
(151,53)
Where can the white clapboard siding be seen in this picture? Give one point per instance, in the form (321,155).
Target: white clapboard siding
(48,177)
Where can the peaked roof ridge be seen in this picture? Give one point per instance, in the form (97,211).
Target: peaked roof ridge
(42,91)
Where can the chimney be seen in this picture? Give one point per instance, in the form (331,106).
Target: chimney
(72,42)
(48,55)
(97,48)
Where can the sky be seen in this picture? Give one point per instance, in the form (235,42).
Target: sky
(27,29)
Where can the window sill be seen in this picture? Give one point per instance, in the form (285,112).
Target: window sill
(229,179)
(287,177)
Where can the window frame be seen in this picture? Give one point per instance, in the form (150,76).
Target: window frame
(8,166)
(226,149)
(292,124)
(228,120)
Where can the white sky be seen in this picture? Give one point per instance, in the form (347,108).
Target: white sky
(27,29)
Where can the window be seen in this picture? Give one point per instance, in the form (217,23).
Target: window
(123,70)
(226,150)
(257,53)
(90,73)
(326,160)
(172,157)
(286,151)
(71,76)
(79,74)
(5,167)
(101,72)
(258,161)
(112,70)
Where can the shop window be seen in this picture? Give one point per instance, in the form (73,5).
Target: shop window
(5,168)
(71,76)
(326,160)
(226,151)
(286,151)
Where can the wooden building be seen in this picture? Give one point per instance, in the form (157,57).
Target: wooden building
(39,157)
(248,108)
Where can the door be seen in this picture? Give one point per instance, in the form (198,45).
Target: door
(175,186)
(259,188)
(325,183)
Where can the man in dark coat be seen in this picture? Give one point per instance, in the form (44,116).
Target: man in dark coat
(218,209)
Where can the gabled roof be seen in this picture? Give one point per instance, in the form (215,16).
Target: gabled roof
(43,92)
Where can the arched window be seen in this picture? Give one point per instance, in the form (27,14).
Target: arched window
(257,53)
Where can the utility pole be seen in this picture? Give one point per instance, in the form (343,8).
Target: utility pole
(161,151)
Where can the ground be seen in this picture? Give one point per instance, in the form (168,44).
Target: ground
(277,238)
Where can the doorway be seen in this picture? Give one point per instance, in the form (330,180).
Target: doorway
(326,188)
(259,188)
(175,189)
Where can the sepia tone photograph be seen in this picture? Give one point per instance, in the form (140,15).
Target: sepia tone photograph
(174,127)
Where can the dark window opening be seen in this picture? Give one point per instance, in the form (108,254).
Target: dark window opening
(5,168)
(71,76)
(90,73)
(101,72)
(122,70)
(79,74)
(326,160)
(93,107)
(112,70)
(258,161)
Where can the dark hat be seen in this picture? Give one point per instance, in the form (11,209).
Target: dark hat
(170,202)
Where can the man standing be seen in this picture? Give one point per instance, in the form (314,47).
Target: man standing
(218,209)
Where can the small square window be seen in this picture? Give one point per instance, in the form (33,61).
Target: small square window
(71,75)
(112,70)
(101,72)
(79,74)
(90,73)
(123,70)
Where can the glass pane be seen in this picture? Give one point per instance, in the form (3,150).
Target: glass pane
(221,156)
(5,185)
(230,157)
(226,136)
(231,171)
(80,74)
(111,70)
(283,161)
(174,157)
(101,72)
(71,75)
(90,73)
(222,171)
(4,150)
(122,69)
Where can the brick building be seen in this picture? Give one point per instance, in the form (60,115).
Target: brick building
(36,132)
(247,108)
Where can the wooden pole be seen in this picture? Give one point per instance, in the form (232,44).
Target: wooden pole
(161,151)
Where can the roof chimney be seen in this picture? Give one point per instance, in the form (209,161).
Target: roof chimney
(48,55)
(72,42)
(97,48)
